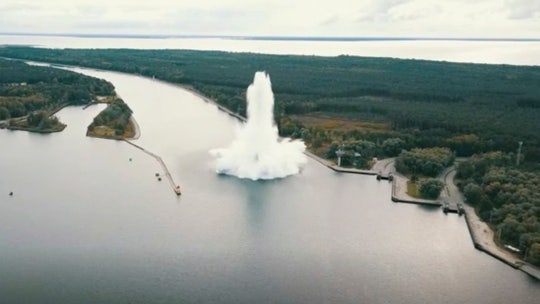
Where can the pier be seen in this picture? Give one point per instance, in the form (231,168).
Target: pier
(175,187)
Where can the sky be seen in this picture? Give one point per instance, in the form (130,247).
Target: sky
(336,18)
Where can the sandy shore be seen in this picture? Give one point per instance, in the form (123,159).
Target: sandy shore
(136,127)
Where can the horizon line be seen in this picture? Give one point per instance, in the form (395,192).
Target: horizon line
(269,37)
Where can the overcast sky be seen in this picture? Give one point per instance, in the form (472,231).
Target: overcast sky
(379,18)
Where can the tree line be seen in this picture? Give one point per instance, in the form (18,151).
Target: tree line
(505,197)
(26,88)
(469,108)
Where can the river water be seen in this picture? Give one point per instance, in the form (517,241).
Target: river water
(87,225)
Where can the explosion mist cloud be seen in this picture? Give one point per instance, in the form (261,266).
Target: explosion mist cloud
(258,152)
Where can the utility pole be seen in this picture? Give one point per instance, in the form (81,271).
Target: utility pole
(519,153)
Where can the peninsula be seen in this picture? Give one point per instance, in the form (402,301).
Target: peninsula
(30,95)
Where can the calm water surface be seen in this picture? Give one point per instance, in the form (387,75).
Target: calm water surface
(86,225)
(497,52)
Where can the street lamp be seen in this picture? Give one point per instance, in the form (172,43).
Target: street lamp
(356,156)
(339,154)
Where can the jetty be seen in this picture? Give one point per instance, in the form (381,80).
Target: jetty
(336,168)
(175,187)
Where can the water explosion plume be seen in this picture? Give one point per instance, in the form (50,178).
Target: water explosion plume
(258,152)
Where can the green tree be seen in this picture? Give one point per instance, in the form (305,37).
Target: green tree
(534,254)
(4,113)
(431,188)
(392,146)
(473,193)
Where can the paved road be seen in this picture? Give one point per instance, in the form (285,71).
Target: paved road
(450,192)
(385,166)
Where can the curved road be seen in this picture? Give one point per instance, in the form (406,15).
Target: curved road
(482,234)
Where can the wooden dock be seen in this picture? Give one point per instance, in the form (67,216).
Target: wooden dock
(175,187)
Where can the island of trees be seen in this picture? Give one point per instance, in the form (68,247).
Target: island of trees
(113,122)
(31,94)
(425,113)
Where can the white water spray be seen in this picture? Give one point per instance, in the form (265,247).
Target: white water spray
(258,152)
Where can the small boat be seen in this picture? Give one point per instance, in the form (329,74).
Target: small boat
(177,190)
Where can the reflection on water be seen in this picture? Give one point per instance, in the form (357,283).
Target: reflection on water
(429,208)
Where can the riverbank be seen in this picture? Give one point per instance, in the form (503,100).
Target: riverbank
(483,237)
(58,128)
(197,93)
(175,187)
(21,123)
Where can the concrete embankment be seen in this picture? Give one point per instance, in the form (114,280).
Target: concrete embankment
(530,270)
(334,167)
(175,187)
(482,243)
(209,100)
(482,237)
(399,193)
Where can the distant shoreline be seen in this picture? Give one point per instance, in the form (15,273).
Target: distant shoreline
(274,38)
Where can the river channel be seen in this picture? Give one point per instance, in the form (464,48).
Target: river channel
(87,225)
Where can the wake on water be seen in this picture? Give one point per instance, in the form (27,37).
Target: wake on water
(258,152)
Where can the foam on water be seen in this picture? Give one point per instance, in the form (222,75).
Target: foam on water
(258,152)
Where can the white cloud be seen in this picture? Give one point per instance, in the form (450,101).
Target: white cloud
(452,18)
(523,9)
(378,10)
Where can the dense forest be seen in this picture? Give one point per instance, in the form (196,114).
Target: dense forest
(428,162)
(469,108)
(505,197)
(29,94)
